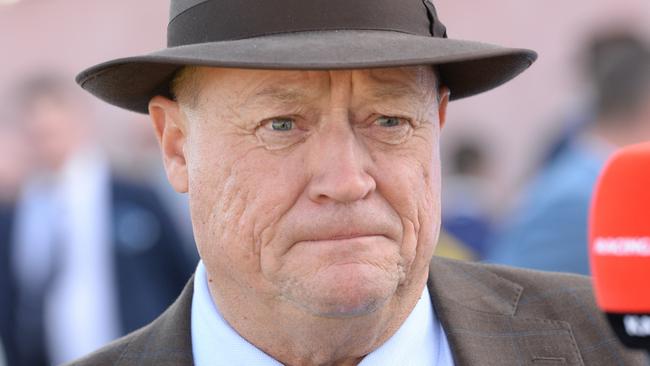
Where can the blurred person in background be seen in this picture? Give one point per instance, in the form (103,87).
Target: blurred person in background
(134,152)
(14,164)
(549,229)
(93,255)
(465,215)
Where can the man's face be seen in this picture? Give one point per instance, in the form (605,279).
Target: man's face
(314,189)
(56,130)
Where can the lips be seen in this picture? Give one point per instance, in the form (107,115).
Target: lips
(345,237)
(362,221)
(351,228)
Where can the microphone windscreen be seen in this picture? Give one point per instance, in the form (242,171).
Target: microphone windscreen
(619,240)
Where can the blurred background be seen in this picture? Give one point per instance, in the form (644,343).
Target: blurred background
(88,221)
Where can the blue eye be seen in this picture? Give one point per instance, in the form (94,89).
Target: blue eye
(281,124)
(386,121)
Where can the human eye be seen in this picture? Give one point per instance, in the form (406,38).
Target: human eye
(388,129)
(280,124)
(388,121)
(280,132)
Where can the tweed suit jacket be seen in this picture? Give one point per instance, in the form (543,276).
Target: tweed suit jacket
(492,315)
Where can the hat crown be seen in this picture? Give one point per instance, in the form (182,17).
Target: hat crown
(200,21)
(179,6)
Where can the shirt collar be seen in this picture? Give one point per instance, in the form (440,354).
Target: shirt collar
(419,341)
(214,341)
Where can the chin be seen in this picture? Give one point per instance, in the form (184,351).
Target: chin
(349,290)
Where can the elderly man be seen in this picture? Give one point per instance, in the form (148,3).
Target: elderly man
(306,134)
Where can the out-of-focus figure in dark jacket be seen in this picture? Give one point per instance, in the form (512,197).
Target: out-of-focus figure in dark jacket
(91,256)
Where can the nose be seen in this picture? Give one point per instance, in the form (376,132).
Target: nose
(339,164)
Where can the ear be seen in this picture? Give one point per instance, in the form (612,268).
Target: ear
(443,97)
(169,124)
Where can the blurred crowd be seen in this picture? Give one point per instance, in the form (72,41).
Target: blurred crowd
(90,250)
(86,254)
(548,227)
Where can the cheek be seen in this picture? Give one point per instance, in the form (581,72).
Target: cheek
(410,182)
(429,210)
(237,193)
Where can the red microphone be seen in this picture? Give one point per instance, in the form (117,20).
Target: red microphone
(619,244)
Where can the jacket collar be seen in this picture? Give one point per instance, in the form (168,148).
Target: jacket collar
(478,311)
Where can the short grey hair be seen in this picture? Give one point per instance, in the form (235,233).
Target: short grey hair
(184,86)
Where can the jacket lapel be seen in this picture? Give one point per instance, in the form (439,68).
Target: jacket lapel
(478,311)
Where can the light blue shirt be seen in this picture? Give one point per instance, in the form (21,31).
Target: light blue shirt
(419,341)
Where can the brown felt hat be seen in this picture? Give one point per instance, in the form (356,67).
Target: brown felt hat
(304,35)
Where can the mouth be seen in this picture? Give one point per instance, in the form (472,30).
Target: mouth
(343,236)
(344,239)
(349,236)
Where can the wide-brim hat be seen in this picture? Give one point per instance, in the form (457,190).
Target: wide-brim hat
(304,35)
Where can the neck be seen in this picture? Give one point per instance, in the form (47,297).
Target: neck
(294,337)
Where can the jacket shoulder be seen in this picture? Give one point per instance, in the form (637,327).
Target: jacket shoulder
(561,298)
(535,281)
(109,354)
(551,294)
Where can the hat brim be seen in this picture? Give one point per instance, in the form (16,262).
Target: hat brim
(466,67)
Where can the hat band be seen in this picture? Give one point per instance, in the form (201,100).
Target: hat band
(225,20)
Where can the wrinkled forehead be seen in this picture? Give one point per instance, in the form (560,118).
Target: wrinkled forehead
(411,81)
